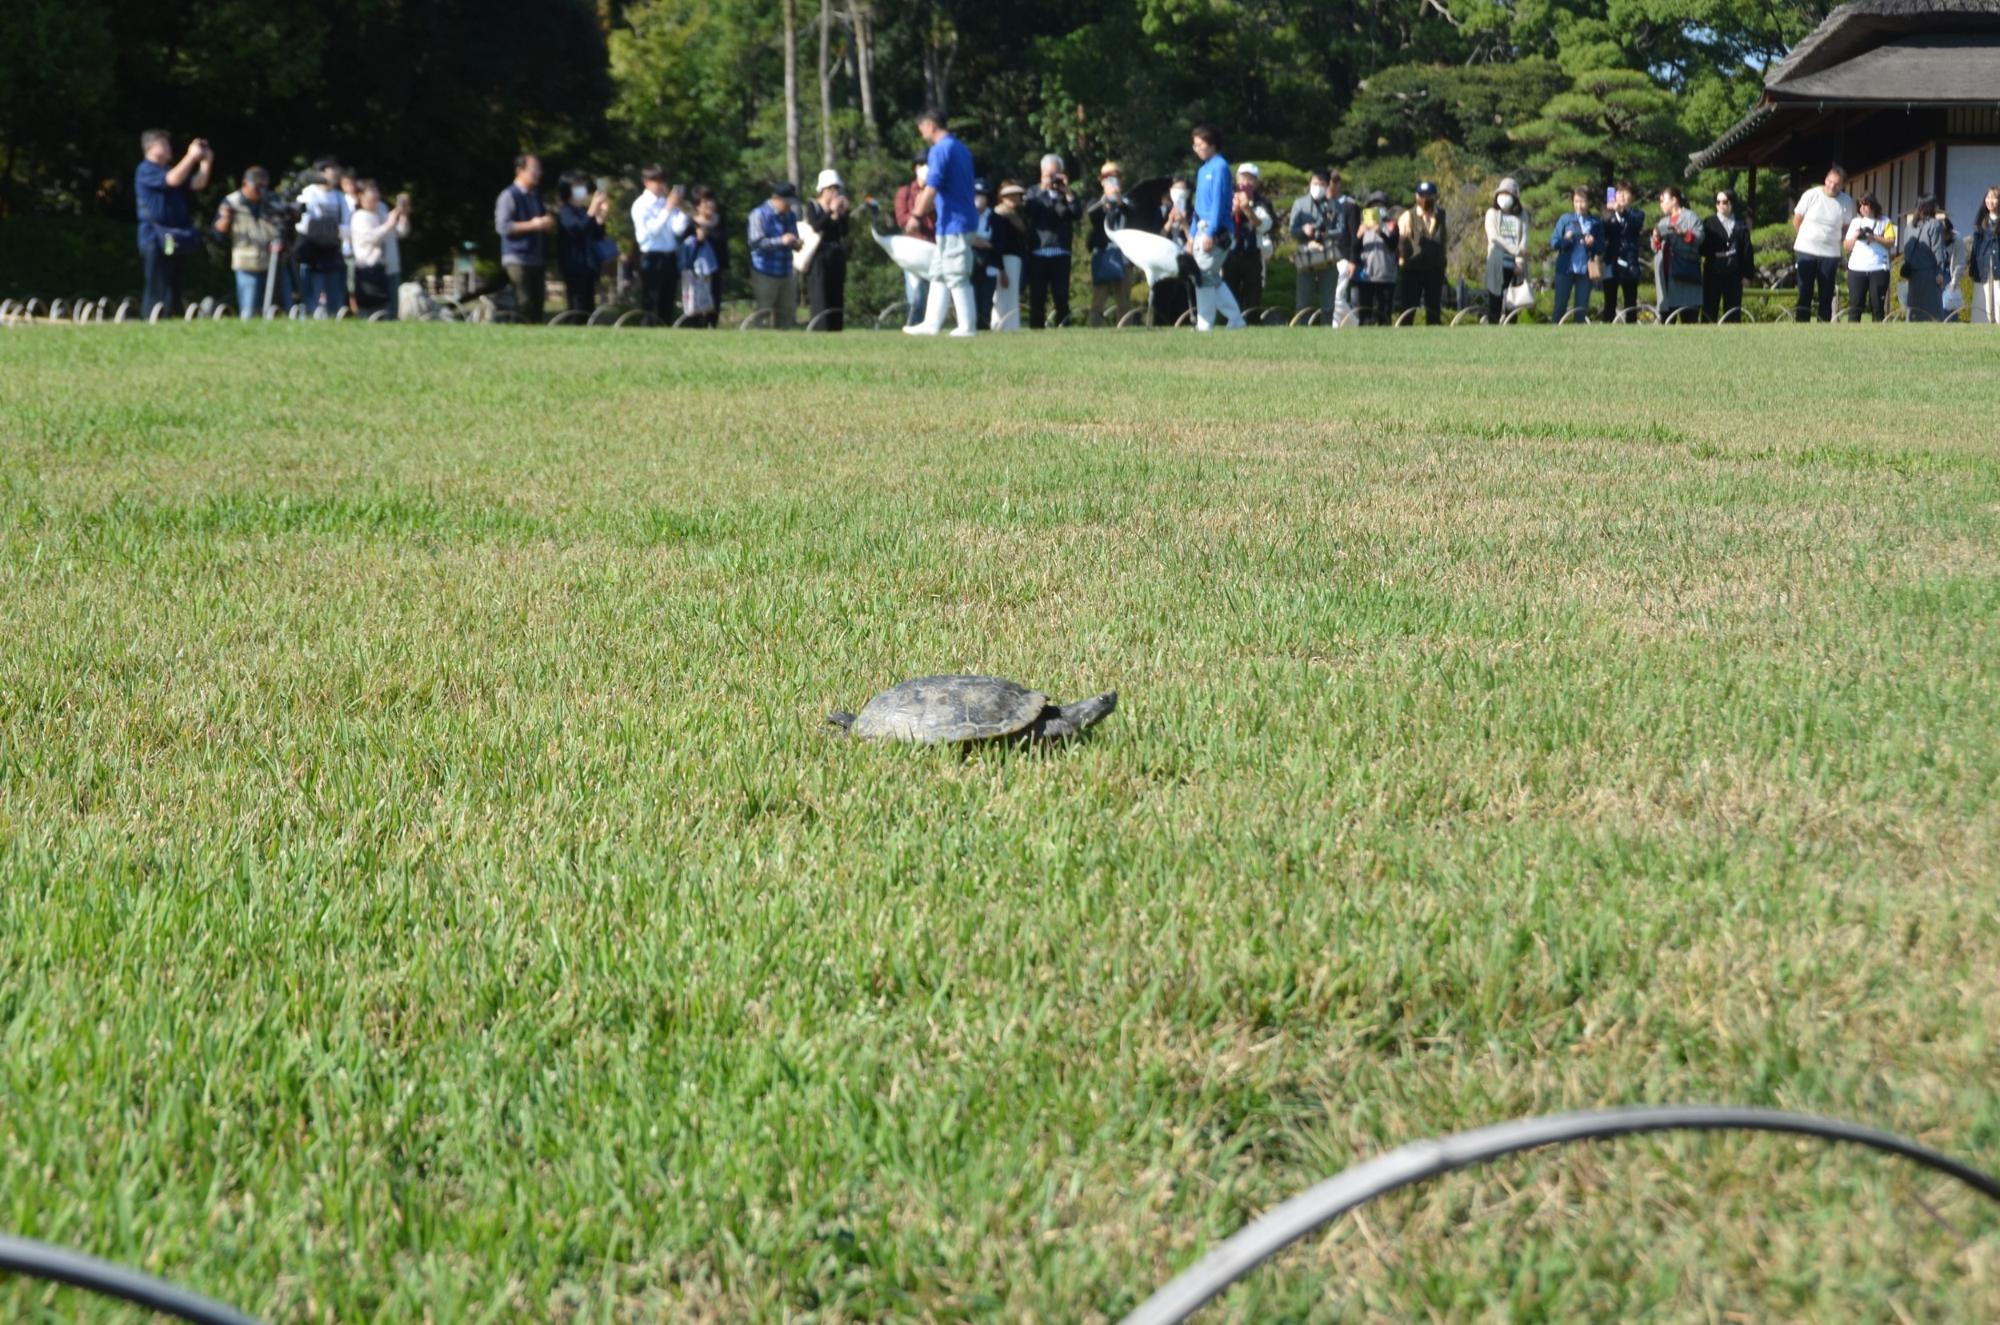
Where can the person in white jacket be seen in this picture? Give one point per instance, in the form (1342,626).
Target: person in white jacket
(659,221)
(378,259)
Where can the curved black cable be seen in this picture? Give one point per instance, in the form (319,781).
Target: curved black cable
(39,1260)
(1420,1161)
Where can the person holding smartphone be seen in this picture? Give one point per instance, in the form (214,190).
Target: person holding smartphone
(162,188)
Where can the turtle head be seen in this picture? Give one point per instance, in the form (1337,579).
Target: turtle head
(844,721)
(1073,719)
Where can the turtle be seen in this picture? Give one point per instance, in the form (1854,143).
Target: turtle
(935,710)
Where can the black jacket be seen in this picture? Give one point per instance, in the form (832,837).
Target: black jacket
(1724,255)
(1051,218)
(1105,213)
(1627,245)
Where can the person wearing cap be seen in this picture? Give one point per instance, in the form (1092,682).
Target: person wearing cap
(1345,240)
(985,274)
(1010,256)
(1506,246)
(1051,210)
(1576,241)
(1252,218)
(947,196)
(774,235)
(658,222)
(1421,246)
(1111,276)
(1312,259)
(916,289)
(826,267)
(1375,279)
(1211,227)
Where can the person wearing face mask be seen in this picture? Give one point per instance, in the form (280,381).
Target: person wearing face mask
(1506,246)
(1111,276)
(1312,259)
(653,216)
(1421,242)
(1726,260)
(579,232)
(378,261)
(1170,299)
(916,290)
(1983,259)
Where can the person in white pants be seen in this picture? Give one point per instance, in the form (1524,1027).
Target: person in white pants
(1010,248)
(1210,232)
(948,194)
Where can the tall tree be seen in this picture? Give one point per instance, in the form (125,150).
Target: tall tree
(825,85)
(791,8)
(860,20)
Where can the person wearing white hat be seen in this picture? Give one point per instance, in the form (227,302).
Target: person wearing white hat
(825,253)
(1253,219)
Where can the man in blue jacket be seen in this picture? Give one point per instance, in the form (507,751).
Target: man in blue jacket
(1210,231)
(948,192)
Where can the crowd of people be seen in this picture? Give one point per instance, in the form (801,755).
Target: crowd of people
(999,257)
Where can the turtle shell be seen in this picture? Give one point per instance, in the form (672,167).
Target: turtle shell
(938,709)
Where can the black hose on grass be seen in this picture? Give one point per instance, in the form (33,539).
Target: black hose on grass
(39,1260)
(1420,1161)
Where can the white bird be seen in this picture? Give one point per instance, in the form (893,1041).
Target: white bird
(1156,255)
(913,255)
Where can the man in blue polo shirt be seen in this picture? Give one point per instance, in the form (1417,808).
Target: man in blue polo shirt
(948,189)
(1210,231)
(166,218)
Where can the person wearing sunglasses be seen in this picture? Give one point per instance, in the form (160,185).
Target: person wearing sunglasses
(1726,260)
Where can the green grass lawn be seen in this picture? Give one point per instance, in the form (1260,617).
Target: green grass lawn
(427,891)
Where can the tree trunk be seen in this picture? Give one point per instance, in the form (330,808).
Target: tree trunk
(792,90)
(864,66)
(825,85)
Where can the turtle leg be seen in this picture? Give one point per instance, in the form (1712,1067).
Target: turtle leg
(1067,720)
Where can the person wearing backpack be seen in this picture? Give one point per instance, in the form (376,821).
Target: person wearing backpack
(166,214)
(1677,239)
(325,221)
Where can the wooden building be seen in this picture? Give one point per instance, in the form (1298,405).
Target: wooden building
(1904,93)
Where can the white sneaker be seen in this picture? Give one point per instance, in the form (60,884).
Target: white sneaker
(918,331)
(963,333)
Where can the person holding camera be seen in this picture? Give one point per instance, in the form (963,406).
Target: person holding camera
(523,224)
(378,259)
(161,188)
(581,251)
(1111,276)
(1312,257)
(326,220)
(249,221)
(1051,211)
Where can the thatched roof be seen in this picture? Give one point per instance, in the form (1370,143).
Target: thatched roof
(1913,53)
